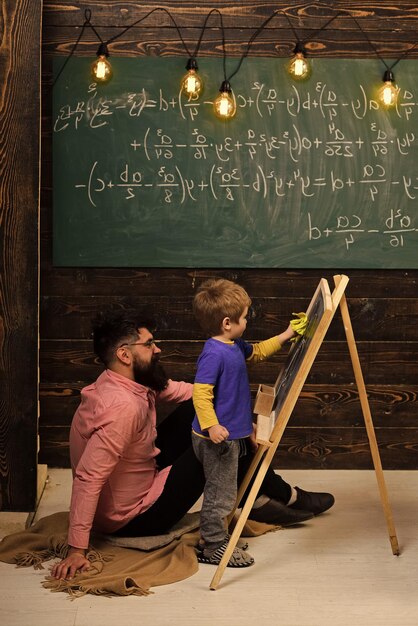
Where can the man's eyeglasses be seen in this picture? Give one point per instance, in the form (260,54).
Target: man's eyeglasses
(147,344)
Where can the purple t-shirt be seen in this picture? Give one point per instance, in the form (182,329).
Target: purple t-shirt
(223,366)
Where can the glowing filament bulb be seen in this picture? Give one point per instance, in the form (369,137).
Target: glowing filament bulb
(299,67)
(388,94)
(224,105)
(192,84)
(101,68)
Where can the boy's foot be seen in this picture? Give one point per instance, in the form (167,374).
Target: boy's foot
(239,558)
(316,502)
(274,512)
(241,543)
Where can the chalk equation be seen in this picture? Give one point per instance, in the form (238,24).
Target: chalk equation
(159,145)
(223,183)
(395,229)
(264,101)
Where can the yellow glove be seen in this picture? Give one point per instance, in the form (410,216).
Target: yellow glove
(299,325)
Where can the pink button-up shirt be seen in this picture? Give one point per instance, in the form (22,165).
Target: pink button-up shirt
(112,443)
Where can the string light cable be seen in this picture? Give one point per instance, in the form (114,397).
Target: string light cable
(224,104)
(125,30)
(299,66)
(101,68)
(191,85)
(389,91)
(87,22)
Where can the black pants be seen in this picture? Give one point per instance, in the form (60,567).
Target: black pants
(186,480)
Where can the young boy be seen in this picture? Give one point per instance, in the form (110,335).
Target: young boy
(222,400)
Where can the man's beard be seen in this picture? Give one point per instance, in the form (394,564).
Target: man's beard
(150,375)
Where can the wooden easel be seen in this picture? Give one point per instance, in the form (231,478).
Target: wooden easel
(270,426)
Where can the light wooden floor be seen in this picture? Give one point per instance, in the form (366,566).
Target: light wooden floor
(335,570)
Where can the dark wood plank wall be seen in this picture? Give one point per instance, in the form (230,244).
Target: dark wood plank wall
(20,39)
(326,429)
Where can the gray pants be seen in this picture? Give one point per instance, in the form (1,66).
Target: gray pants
(220,465)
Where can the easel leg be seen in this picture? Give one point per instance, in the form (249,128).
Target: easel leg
(247,478)
(368,421)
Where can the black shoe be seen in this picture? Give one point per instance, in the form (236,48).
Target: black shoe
(312,501)
(274,512)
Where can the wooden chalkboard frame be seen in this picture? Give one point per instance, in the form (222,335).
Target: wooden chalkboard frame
(321,309)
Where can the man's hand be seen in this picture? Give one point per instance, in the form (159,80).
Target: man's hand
(218,433)
(74,562)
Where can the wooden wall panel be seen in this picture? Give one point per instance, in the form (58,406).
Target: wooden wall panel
(300,448)
(333,406)
(19,203)
(374,318)
(64,361)
(382,15)
(326,429)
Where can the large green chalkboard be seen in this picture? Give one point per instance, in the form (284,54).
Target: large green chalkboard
(309,174)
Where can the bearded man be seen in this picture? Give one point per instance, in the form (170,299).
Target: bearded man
(130,478)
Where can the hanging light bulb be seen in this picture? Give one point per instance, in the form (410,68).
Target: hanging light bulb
(191,83)
(299,67)
(224,105)
(388,94)
(101,68)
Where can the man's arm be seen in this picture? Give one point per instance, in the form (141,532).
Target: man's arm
(101,455)
(176,391)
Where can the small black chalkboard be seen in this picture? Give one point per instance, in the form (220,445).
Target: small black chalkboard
(270,401)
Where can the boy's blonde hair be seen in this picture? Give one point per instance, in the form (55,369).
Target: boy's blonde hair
(216,299)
